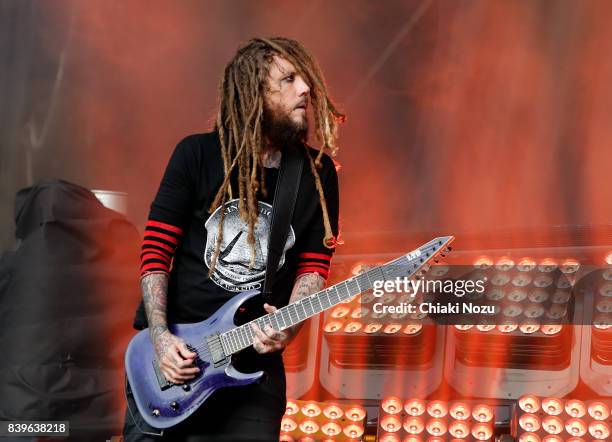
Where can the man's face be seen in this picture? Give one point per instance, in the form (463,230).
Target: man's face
(287,97)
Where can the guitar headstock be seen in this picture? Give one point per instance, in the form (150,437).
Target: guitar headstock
(417,262)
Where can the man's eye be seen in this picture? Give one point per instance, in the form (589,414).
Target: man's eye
(289,78)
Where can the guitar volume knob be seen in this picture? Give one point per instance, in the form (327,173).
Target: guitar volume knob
(174,405)
(155,412)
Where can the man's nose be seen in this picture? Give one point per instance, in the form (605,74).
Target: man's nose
(302,86)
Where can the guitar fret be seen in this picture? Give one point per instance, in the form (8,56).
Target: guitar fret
(301,304)
(328,299)
(365,282)
(333,296)
(297,312)
(233,341)
(250,332)
(286,316)
(283,313)
(245,337)
(289,310)
(320,304)
(223,344)
(346,290)
(310,306)
(307,307)
(239,338)
(283,318)
(382,274)
(238,342)
(229,342)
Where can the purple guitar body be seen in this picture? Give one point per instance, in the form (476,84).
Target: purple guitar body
(164,404)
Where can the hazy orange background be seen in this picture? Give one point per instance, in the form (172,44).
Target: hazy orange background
(462,115)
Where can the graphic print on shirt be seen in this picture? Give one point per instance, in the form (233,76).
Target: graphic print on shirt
(232,271)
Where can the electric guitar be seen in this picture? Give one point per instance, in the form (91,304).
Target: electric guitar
(163,404)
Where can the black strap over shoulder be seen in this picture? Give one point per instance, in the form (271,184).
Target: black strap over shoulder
(285,196)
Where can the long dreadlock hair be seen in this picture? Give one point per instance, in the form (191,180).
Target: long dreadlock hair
(239,123)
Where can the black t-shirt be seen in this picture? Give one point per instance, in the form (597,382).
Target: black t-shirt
(188,187)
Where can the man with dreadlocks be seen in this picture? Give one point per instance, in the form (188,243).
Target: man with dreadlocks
(211,220)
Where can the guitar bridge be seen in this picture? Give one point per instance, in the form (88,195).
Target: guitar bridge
(215,348)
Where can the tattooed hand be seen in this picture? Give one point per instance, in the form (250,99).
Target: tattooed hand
(270,340)
(175,359)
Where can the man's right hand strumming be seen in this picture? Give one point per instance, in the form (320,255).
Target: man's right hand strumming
(175,359)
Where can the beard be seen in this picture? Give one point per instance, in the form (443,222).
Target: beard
(281,130)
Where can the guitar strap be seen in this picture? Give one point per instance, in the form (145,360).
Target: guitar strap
(285,196)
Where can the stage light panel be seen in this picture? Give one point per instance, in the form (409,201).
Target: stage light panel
(433,419)
(560,419)
(322,421)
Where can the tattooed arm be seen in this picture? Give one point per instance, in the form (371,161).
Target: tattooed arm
(270,340)
(175,359)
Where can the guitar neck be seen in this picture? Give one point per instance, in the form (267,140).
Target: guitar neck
(407,265)
(292,314)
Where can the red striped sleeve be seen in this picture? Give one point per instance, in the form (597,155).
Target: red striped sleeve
(158,247)
(321,256)
(165,226)
(324,273)
(314,263)
(169,238)
(153,266)
(154,255)
(158,244)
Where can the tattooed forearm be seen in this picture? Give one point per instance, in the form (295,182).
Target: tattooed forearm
(306,285)
(154,293)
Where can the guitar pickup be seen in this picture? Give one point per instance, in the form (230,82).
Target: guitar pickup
(216,350)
